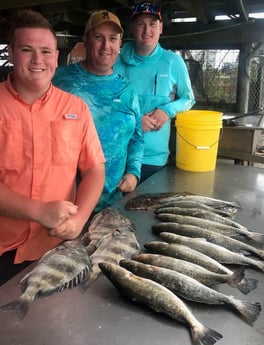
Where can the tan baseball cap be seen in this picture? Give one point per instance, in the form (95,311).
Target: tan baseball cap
(101,17)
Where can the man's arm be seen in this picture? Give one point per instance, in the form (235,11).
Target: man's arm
(49,214)
(88,194)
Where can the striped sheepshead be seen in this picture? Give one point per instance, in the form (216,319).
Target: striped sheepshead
(106,222)
(62,267)
(113,247)
(160,299)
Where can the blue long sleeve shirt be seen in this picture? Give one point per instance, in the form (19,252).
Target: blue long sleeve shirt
(163,82)
(113,103)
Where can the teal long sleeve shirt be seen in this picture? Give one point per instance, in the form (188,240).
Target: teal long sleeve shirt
(162,82)
(114,106)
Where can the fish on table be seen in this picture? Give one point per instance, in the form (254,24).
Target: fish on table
(212,236)
(183,252)
(66,266)
(160,299)
(122,243)
(213,250)
(105,222)
(191,289)
(224,229)
(203,275)
(200,213)
(150,201)
(228,212)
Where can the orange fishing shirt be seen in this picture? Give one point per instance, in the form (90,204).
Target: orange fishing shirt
(41,146)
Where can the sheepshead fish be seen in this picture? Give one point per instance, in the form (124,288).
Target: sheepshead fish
(213,226)
(193,270)
(192,290)
(160,299)
(62,267)
(105,222)
(211,236)
(120,244)
(150,201)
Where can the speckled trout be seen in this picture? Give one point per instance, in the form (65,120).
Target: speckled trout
(160,299)
(219,253)
(211,236)
(191,289)
(197,272)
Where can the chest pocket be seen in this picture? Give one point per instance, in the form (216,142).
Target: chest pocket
(66,142)
(11,143)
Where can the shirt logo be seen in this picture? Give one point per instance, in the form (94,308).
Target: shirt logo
(71,116)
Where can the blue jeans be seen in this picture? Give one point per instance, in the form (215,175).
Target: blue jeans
(148,170)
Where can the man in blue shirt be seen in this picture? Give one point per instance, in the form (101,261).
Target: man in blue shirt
(113,102)
(162,80)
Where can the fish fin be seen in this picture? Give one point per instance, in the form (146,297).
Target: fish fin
(205,336)
(248,310)
(255,237)
(247,285)
(21,307)
(236,277)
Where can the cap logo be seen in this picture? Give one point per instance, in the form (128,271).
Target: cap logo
(105,15)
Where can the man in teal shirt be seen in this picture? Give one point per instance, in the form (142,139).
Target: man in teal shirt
(162,80)
(113,102)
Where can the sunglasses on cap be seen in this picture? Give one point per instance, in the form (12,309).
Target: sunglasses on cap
(146,8)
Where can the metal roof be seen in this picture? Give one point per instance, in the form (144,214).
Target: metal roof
(69,17)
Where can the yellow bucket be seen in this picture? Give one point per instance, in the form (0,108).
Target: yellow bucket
(197,138)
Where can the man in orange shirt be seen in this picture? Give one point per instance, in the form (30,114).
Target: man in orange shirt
(46,135)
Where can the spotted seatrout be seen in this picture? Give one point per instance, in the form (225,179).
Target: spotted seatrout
(192,290)
(229,212)
(211,236)
(215,251)
(188,254)
(63,267)
(213,226)
(193,270)
(160,299)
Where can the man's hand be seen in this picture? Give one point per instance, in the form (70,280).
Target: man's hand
(69,229)
(55,212)
(153,121)
(128,183)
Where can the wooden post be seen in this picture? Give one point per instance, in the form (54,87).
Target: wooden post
(243,78)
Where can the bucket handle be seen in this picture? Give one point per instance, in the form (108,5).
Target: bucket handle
(201,147)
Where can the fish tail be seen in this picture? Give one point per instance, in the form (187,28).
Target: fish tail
(236,277)
(248,310)
(246,285)
(256,237)
(21,307)
(204,335)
